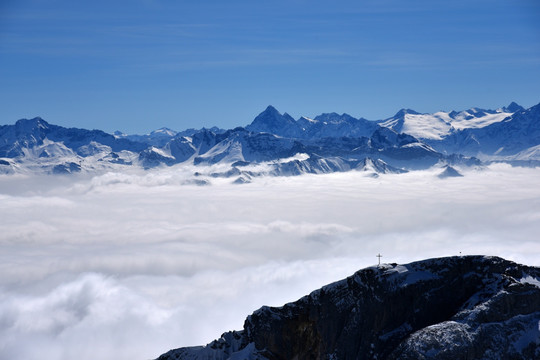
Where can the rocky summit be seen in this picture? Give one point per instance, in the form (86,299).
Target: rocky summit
(466,307)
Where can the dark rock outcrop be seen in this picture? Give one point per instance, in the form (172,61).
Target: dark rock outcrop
(273,122)
(471,307)
(449,172)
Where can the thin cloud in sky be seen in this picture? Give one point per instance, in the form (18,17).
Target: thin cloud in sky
(70,33)
(166,61)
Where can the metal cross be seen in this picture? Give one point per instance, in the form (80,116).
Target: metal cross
(379,256)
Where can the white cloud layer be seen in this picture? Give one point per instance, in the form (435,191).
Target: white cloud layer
(124,266)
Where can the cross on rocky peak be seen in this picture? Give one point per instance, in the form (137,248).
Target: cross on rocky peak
(379,256)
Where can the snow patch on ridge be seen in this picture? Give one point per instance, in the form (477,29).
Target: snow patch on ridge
(530,280)
(464,120)
(434,126)
(441,124)
(299,157)
(407,274)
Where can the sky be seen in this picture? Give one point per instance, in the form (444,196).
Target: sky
(139,65)
(129,265)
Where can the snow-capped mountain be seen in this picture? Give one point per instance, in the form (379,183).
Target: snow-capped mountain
(335,125)
(273,122)
(515,133)
(472,307)
(244,172)
(475,132)
(332,142)
(35,145)
(26,134)
(442,124)
(324,125)
(162,136)
(158,137)
(242,145)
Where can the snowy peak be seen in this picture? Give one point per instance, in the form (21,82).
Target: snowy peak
(476,118)
(26,133)
(39,146)
(401,113)
(432,128)
(423,126)
(29,129)
(440,125)
(163,132)
(410,140)
(493,134)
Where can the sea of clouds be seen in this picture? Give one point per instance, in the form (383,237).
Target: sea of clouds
(130,265)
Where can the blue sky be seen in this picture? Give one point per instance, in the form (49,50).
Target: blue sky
(143,64)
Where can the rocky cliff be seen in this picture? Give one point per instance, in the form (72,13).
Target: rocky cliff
(471,307)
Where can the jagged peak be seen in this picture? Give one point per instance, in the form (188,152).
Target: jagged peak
(449,171)
(329,114)
(37,121)
(31,125)
(204,132)
(333,116)
(288,117)
(513,107)
(270,120)
(404,112)
(269,112)
(271,109)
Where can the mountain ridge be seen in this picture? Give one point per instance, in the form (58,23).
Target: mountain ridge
(473,307)
(446,138)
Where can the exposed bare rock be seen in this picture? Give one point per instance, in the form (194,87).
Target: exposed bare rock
(472,307)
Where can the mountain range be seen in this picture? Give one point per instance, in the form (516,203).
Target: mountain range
(463,307)
(280,145)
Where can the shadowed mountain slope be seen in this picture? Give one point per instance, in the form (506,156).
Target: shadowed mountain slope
(471,307)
